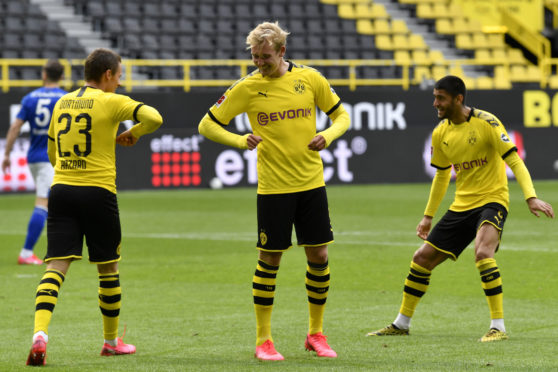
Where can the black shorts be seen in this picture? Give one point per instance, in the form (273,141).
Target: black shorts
(455,230)
(75,212)
(306,210)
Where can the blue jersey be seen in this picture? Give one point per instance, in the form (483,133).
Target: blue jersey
(36,108)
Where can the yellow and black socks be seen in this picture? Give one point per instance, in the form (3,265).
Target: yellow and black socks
(47,296)
(317,286)
(415,287)
(492,285)
(263,290)
(109,302)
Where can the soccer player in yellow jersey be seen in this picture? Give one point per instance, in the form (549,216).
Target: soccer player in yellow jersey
(82,202)
(477,145)
(280,99)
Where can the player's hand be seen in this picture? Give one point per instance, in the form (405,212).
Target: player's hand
(253,141)
(6,165)
(126,138)
(318,143)
(536,205)
(423,227)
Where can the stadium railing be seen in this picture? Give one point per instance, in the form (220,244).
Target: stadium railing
(129,82)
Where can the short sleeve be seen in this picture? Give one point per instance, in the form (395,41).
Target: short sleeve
(438,160)
(124,107)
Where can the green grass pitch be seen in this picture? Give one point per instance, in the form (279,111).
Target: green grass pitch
(186,272)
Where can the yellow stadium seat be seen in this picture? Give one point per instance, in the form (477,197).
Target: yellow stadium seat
(484,82)
(402,57)
(553,82)
(420,57)
(381,26)
(453,9)
(480,41)
(516,56)
(518,73)
(474,25)
(463,41)
(444,26)
(470,83)
(496,40)
(363,11)
(379,11)
(439,72)
(384,42)
(534,74)
(483,55)
(398,26)
(460,25)
(424,10)
(499,55)
(416,41)
(400,42)
(439,10)
(364,26)
(502,78)
(346,11)
(436,56)
(456,71)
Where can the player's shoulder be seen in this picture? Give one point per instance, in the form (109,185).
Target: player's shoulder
(485,117)
(442,125)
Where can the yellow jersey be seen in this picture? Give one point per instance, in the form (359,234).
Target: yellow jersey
(83,130)
(475,149)
(282,111)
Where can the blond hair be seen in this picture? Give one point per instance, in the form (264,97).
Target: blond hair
(268,32)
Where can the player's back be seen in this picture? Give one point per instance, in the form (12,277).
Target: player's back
(83,128)
(36,109)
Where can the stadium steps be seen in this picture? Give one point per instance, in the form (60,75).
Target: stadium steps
(432,39)
(71,24)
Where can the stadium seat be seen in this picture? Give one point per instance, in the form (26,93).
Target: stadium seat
(398,26)
(365,26)
(402,57)
(484,82)
(502,78)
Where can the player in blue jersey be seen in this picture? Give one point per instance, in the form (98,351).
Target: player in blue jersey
(36,109)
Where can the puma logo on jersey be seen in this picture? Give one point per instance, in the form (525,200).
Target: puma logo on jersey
(263,94)
(445,143)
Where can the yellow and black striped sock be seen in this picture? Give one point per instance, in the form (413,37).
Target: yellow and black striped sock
(109,302)
(317,287)
(492,286)
(263,290)
(47,296)
(416,285)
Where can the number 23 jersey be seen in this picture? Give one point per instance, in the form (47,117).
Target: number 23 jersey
(83,132)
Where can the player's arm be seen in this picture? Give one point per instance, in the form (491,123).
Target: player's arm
(209,128)
(523,177)
(340,123)
(149,121)
(13,133)
(437,191)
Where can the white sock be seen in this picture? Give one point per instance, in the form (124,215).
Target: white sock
(112,343)
(402,321)
(40,333)
(498,324)
(25,253)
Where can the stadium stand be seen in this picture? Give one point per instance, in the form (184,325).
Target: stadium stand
(430,37)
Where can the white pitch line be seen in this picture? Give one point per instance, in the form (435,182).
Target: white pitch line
(339,239)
